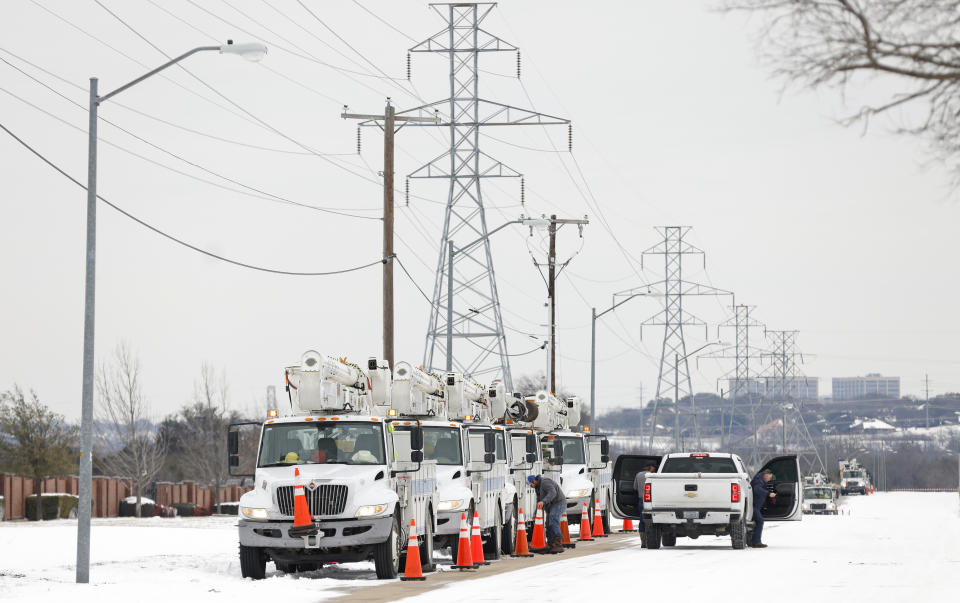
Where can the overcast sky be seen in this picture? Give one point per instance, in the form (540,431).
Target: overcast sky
(845,236)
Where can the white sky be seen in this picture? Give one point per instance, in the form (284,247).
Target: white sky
(842,236)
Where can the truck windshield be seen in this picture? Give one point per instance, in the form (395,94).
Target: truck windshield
(823,493)
(849,474)
(318,443)
(699,464)
(442,444)
(572,450)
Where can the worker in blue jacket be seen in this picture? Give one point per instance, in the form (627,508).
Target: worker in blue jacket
(760,495)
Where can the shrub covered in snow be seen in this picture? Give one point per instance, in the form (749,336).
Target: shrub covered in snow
(54,505)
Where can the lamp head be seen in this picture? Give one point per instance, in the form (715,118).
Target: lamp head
(252,51)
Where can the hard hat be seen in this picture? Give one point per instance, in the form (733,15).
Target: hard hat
(292,457)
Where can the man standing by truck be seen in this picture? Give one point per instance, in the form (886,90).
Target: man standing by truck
(760,494)
(554,503)
(638,481)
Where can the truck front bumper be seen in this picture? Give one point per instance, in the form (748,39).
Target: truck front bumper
(334,533)
(703,516)
(448,522)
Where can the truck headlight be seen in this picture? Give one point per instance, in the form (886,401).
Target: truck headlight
(371,510)
(576,493)
(254,513)
(449,505)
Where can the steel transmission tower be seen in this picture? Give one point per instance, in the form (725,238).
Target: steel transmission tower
(783,407)
(674,377)
(476,314)
(741,379)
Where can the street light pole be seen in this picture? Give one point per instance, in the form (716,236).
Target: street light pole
(253,52)
(593,355)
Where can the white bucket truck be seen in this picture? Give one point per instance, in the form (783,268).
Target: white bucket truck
(580,457)
(364,480)
(459,437)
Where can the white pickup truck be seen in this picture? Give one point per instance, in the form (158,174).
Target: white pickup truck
(695,493)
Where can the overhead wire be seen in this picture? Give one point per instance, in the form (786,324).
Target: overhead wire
(181,242)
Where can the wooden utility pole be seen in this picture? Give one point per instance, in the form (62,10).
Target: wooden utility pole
(387,121)
(552,273)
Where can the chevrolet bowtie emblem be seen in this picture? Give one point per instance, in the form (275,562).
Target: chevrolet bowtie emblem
(690,494)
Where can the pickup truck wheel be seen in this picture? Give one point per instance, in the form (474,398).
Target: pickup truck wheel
(426,546)
(386,555)
(509,538)
(653,536)
(253,562)
(738,534)
(491,548)
(668,539)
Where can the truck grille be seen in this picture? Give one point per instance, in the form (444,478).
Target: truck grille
(818,506)
(327,499)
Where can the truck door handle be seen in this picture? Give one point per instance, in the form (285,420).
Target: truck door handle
(690,487)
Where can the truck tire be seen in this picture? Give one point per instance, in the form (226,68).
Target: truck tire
(653,536)
(738,534)
(455,541)
(508,541)
(426,546)
(668,539)
(491,548)
(386,555)
(253,562)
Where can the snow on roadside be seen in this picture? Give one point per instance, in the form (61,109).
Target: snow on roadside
(890,548)
(169,560)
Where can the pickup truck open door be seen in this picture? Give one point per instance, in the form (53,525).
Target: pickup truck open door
(788,485)
(625,470)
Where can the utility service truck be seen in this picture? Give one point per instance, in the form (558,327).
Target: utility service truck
(363,476)
(696,493)
(853,477)
(458,435)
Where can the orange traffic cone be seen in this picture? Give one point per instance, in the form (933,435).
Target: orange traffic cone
(476,541)
(627,526)
(464,558)
(302,521)
(565,533)
(598,522)
(584,525)
(414,570)
(539,540)
(520,547)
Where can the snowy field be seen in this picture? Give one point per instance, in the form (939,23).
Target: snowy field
(889,547)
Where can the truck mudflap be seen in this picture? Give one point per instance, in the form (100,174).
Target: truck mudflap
(700,516)
(351,532)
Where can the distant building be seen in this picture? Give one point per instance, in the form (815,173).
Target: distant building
(797,388)
(873,385)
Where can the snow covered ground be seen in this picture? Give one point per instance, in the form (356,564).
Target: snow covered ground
(890,547)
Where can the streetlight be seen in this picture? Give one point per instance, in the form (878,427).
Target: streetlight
(593,356)
(249,51)
(451,252)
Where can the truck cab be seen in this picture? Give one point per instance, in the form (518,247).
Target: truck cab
(698,493)
(363,480)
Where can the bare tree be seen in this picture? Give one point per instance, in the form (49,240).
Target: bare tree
(128,444)
(912,44)
(34,440)
(205,429)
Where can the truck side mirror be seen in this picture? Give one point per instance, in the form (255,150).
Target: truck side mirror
(558,451)
(489,443)
(234,460)
(416,439)
(604,446)
(416,456)
(233,446)
(531,457)
(531,443)
(488,458)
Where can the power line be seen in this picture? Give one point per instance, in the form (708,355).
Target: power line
(180,241)
(387,23)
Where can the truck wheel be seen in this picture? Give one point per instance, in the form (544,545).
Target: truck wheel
(738,534)
(509,538)
(455,541)
(491,548)
(253,562)
(386,555)
(653,536)
(668,539)
(426,546)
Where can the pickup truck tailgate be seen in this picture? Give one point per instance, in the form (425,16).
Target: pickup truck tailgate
(690,490)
